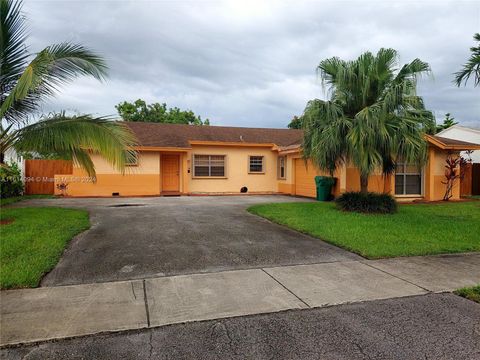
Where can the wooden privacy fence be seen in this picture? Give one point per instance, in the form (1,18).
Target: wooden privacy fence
(40,175)
(476,179)
(466,180)
(470,183)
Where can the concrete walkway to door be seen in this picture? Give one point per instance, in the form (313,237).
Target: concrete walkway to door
(33,315)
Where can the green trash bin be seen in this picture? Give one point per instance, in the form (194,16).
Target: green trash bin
(324,186)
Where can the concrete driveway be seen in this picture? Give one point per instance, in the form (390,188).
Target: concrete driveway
(133,238)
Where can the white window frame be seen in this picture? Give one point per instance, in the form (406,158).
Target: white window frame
(209,176)
(279,167)
(250,163)
(404,174)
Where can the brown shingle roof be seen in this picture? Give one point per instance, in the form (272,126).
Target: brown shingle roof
(451,144)
(175,135)
(448,141)
(179,136)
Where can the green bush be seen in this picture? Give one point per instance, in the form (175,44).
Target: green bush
(10,181)
(367,203)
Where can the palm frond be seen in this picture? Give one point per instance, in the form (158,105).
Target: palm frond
(472,67)
(77,137)
(13,52)
(54,66)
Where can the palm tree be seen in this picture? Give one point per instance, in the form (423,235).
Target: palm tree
(25,83)
(373,118)
(472,67)
(60,134)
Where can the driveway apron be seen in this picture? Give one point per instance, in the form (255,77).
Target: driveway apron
(134,238)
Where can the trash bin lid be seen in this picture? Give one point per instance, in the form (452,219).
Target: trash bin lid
(324,180)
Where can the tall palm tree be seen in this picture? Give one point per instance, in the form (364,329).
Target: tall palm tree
(472,67)
(373,118)
(27,79)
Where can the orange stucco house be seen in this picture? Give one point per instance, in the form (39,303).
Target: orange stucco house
(187,160)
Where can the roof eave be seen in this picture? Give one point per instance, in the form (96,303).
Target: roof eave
(162,148)
(438,143)
(231,143)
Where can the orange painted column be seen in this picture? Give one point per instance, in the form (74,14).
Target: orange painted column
(430,176)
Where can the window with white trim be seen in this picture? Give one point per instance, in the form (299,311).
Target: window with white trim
(408,179)
(282,163)
(255,164)
(209,165)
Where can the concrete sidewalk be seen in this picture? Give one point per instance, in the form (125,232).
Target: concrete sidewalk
(33,315)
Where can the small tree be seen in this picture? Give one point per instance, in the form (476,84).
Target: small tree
(296,123)
(454,171)
(447,122)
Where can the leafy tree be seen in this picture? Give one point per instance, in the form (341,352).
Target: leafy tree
(373,116)
(296,123)
(447,122)
(25,83)
(156,112)
(472,67)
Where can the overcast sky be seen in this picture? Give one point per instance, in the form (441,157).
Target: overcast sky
(252,63)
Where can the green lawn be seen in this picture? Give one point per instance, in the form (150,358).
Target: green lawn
(11,200)
(471,293)
(32,244)
(417,229)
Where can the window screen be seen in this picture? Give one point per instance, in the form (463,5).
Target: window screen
(408,180)
(209,165)
(256,164)
(281,167)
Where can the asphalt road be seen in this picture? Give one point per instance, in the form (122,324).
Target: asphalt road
(434,326)
(133,238)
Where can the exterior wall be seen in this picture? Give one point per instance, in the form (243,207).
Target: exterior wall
(143,179)
(349,180)
(376,182)
(236,171)
(304,178)
(433,184)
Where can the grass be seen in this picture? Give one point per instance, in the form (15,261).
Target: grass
(417,229)
(471,293)
(474,197)
(11,200)
(32,244)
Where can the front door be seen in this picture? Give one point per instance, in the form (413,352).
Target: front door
(170,173)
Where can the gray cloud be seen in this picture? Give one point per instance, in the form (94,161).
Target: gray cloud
(251,63)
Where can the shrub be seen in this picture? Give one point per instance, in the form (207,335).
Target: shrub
(10,181)
(367,203)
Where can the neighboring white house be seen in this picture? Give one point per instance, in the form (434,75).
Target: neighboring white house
(462,133)
(12,156)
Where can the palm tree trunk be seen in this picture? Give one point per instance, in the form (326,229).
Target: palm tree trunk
(363,184)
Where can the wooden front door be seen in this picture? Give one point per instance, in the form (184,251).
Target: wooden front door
(170,173)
